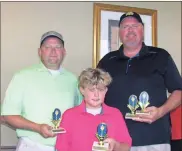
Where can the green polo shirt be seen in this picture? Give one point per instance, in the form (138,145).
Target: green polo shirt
(34,93)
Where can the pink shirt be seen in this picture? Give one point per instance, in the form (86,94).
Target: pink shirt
(81,128)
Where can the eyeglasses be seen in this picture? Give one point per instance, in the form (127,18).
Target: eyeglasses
(50,47)
(133,26)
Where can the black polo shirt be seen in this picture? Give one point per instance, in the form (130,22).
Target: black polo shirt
(153,71)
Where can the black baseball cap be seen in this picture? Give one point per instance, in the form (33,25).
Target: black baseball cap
(131,14)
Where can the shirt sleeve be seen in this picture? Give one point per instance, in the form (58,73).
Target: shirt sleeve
(122,135)
(63,141)
(100,63)
(173,80)
(12,104)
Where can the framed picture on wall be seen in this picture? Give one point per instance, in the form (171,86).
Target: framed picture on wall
(106,28)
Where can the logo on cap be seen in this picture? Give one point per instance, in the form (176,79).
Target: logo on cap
(129,13)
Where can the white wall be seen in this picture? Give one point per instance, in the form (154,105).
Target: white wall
(22,24)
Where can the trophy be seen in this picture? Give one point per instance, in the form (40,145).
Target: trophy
(143,103)
(101,136)
(56,119)
(133,105)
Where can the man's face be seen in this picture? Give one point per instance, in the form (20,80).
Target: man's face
(94,95)
(131,32)
(52,53)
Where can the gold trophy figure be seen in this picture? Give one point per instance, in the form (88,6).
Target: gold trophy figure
(133,105)
(56,119)
(143,103)
(101,136)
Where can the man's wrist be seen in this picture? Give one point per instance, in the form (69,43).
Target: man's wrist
(36,128)
(162,111)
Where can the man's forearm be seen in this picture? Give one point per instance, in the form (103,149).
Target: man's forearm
(173,101)
(121,147)
(19,122)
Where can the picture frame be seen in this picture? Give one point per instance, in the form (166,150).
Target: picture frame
(106,26)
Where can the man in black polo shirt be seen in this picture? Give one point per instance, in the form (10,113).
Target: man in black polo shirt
(137,68)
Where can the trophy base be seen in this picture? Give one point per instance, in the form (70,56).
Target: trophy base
(129,116)
(97,147)
(139,112)
(58,130)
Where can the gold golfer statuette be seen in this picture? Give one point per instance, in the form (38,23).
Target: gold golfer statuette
(101,136)
(133,105)
(56,119)
(143,103)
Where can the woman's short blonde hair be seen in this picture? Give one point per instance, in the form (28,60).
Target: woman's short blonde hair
(94,76)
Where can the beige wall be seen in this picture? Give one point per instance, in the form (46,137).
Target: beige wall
(22,24)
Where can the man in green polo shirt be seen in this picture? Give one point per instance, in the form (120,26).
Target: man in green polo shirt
(35,92)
